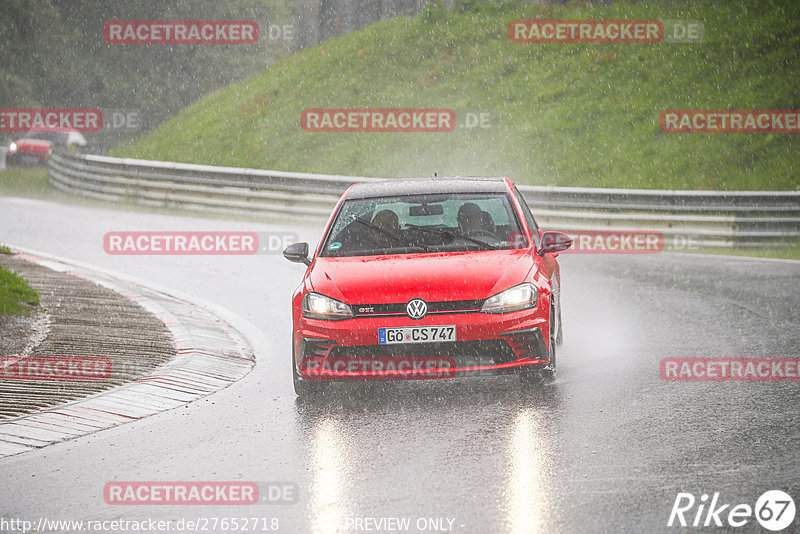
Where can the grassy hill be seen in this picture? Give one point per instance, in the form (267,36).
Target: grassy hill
(561,114)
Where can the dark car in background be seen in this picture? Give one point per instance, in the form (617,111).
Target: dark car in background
(34,148)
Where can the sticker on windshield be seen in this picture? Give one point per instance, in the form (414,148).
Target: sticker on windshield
(334,245)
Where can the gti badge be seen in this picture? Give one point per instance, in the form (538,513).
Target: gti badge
(416,308)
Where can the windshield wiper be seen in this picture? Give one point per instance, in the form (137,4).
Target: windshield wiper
(454,235)
(395,237)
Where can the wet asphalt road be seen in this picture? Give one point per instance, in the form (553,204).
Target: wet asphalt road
(606,448)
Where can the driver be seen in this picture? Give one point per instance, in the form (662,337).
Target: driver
(387,221)
(470,219)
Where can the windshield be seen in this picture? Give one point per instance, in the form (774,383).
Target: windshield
(424,223)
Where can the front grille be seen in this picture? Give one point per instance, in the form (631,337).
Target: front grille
(434,308)
(463,353)
(528,343)
(316,348)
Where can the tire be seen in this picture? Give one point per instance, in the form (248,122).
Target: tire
(548,372)
(560,335)
(304,388)
(545,374)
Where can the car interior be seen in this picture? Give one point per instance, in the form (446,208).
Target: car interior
(389,226)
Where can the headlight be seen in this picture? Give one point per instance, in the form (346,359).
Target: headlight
(12,148)
(514,299)
(316,306)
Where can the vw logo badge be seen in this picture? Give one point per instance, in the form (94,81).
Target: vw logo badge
(416,308)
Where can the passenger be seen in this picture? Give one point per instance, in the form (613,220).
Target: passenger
(488,222)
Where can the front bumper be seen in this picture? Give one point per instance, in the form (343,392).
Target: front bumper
(486,344)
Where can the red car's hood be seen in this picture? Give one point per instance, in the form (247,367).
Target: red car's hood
(431,277)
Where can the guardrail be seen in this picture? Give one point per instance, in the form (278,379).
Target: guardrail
(685,218)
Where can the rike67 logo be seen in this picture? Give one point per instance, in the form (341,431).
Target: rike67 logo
(774,510)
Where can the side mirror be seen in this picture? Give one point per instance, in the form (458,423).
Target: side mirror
(297,253)
(555,242)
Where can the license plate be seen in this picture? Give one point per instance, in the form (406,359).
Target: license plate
(416,334)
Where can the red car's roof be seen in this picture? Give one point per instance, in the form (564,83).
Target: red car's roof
(426,186)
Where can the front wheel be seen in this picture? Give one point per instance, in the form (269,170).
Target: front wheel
(304,388)
(547,373)
(560,335)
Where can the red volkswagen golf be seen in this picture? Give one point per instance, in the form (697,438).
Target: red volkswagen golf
(426,279)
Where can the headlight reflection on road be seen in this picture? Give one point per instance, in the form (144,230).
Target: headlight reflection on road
(328,463)
(527,502)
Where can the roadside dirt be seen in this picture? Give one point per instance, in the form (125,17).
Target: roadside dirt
(78,319)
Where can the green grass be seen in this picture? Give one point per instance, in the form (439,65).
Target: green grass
(562,114)
(28,181)
(16,296)
(781,253)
